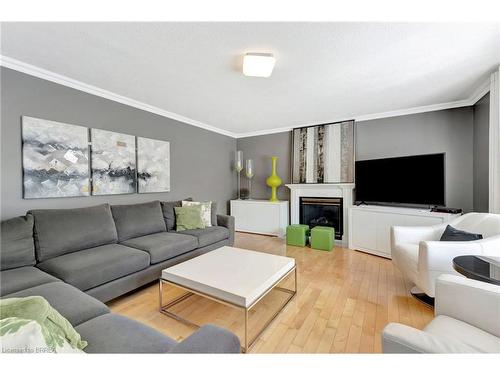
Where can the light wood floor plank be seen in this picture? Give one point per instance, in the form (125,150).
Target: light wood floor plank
(344,300)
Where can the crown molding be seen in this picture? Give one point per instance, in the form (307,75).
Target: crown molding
(414,110)
(35,71)
(477,94)
(480,91)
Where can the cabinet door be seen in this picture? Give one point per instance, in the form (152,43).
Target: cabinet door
(364,229)
(384,224)
(263,218)
(240,215)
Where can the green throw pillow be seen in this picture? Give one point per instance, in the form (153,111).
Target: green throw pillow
(188,217)
(38,309)
(206,211)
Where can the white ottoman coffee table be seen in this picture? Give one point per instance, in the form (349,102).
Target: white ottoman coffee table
(231,276)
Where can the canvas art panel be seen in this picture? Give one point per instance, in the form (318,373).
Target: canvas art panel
(113,163)
(324,153)
(55,159)
(153,165)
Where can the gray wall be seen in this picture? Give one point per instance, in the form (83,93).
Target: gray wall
(481,113)
(449,131)
(260,149)
(200,160)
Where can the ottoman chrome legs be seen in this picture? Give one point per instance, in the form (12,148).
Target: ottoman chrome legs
(247,342)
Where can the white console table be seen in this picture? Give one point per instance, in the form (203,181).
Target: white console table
(260,216)
(370,226)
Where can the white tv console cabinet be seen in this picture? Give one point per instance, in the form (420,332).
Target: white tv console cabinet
(260,216)
(370,226)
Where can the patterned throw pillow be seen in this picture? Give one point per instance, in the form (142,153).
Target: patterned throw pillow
(38,309)
(19,335)
(206,211)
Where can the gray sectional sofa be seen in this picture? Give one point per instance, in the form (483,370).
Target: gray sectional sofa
(79,258)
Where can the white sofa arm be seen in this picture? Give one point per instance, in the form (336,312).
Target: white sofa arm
(471,301)
(491,246)
(436,258)
(399,338)
(401,235)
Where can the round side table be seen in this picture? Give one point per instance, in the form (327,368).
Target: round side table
(478,267)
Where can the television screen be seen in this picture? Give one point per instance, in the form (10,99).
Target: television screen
(412,180)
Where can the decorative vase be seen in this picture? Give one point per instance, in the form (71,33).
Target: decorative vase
(238,166)
(249,173)
(273,181)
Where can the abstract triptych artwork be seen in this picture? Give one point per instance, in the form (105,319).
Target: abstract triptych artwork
(113,163)
(153,165)
(324,153)
(56,161)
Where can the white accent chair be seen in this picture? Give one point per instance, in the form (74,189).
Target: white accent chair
(421,257)
(467,320)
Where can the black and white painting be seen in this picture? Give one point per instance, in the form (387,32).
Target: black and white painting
(324,153)
(113,163)
(153,165)
(55,159)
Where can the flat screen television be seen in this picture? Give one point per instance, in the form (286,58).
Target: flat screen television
(409,180)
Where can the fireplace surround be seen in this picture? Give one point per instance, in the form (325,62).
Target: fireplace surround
(322,211)
(344,191)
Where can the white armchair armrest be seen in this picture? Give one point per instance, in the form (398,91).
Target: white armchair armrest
(491,246)
(436,258)
(471,301)
(399,338)
(401,235)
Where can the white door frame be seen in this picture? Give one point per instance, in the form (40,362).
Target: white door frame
(494,145)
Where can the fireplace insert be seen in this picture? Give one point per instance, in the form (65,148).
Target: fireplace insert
(326,212)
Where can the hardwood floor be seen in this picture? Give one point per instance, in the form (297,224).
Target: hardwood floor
(344,300)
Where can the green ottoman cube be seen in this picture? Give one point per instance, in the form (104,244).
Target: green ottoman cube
(322,238)
(296,234)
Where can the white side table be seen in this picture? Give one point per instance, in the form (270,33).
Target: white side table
(260,216)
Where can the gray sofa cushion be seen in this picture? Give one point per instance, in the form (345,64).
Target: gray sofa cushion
(209,235)
(107,292)
(73,304)
(63,231)
(21,278)
(169,212)
(113,333)
(135,220)
(164,245)
(17,248)
(209,339)
(89,268)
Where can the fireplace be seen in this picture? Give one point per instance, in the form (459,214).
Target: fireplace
(326,212)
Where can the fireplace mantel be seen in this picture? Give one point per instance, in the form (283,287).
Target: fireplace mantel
(343,191)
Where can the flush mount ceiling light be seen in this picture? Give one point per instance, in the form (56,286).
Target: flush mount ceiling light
(258,64)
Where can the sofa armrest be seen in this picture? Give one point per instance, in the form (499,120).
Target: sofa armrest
(491,246)
(436,258)
(209,339)
(228,222)
(438,255)
(471,301)
(399,338)
(413,235)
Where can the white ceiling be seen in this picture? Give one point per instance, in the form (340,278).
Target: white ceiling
(324,71)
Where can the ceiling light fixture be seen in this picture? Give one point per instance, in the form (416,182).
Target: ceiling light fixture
(258,64)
